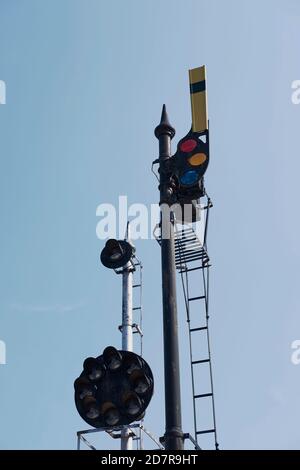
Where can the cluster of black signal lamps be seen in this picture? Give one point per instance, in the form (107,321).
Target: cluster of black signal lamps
(114,389)
(116,253)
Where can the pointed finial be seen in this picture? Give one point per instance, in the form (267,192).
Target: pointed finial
(164,116)
(164,127)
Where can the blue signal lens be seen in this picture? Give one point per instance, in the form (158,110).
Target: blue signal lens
(189,177)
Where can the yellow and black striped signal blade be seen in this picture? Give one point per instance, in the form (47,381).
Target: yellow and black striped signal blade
(198,99)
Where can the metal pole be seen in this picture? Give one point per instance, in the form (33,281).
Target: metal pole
(173,434)
(127,334)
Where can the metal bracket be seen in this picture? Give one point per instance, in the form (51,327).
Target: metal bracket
(116,433)
(186,436)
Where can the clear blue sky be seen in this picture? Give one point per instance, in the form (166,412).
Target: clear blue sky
(85,84)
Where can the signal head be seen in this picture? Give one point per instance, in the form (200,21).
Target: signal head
(191,159)
(113,389)
(116,253)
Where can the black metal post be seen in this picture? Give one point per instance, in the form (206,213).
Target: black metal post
(173,438)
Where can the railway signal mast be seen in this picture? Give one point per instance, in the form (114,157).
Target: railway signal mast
(114,389)
(181,186)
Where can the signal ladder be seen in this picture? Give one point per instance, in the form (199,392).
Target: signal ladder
(138,308)
(190,256)
(138,328)
(137,325)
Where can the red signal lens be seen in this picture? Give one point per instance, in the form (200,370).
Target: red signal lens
(188,145)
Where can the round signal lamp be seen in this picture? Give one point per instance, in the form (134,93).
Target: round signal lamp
(188,145)
(197,159)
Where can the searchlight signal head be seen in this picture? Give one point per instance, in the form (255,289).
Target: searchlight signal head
(116,253)
(191,159)
(113,389)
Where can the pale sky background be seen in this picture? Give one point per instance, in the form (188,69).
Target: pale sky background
(85,84)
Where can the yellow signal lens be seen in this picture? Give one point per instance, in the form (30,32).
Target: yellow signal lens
(197,159)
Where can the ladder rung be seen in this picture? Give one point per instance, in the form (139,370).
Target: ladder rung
(197,298)
(198,329)
(201,361)
(181,250)
(193,269)
(137,285)
(137,308)
(189,248)
(191,257)
(203,395)
(206,431)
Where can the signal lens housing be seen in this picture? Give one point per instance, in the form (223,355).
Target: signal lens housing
(132,405)
(116,253)
(112,358)
(94,368)
(110,413)
(91,408)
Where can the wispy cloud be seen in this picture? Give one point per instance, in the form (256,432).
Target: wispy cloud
(45,308)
